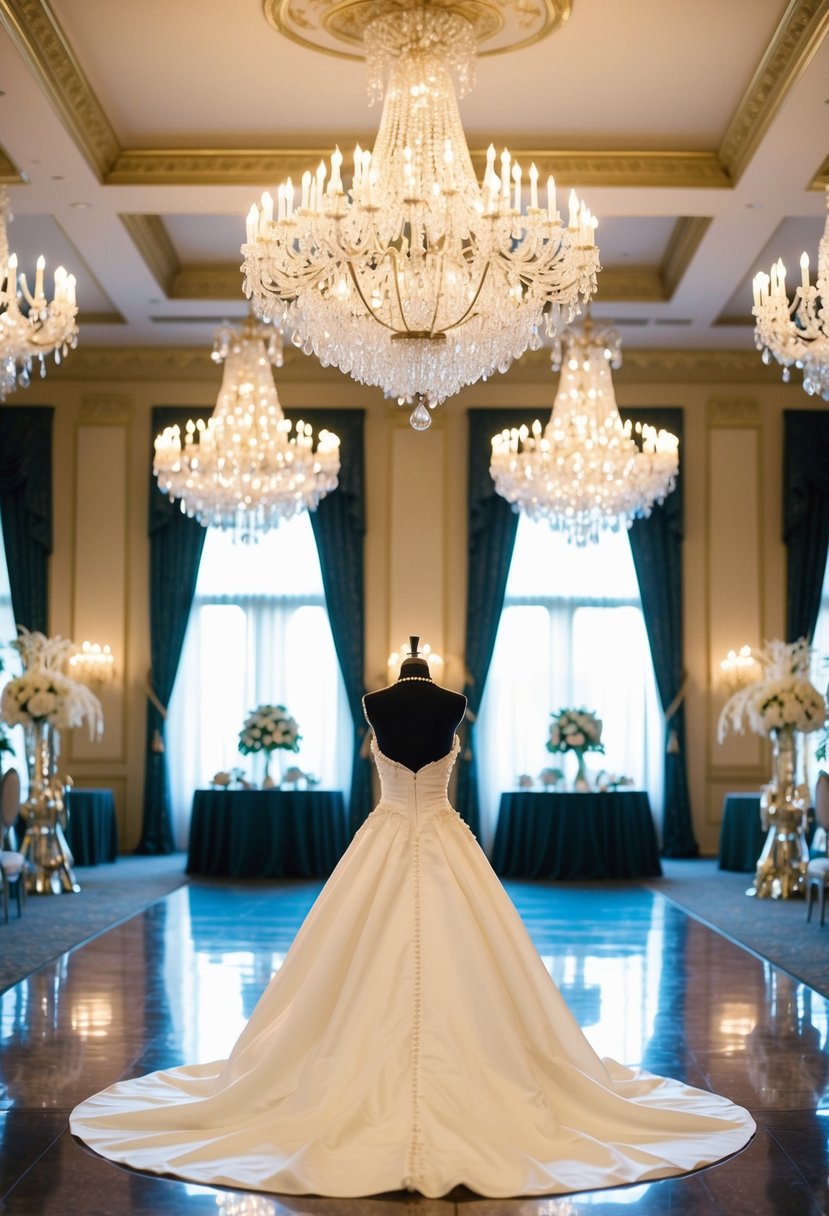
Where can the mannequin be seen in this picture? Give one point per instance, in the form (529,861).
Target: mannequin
(414,720)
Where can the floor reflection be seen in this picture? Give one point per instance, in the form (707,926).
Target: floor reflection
(648,984)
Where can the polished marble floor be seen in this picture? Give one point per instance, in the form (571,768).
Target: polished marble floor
(648,983)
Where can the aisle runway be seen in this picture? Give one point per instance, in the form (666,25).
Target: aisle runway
(648,984)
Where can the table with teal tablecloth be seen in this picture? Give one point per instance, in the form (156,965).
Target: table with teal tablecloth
(92,829)
(741,833)
(266,833)
(590,835)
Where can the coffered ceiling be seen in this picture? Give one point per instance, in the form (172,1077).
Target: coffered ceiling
(135,134)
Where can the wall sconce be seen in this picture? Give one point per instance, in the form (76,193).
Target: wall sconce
(92,664)
(738,668)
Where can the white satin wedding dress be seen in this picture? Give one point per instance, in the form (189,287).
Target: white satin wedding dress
(412,1038)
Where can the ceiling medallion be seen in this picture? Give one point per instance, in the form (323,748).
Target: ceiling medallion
(340,28)
(401,269)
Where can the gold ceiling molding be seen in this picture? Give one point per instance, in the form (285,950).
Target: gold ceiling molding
(631,284)
(150,238)
(9,173)
(332,25)
(795,41)
(228,166)
(685,240)
(190,363)
(34,29)
(208,283)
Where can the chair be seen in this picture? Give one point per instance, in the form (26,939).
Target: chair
(817,871)
(12,862)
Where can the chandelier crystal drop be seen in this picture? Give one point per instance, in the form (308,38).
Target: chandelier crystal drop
(243,470)
(585,473)
(796,333)
(30,326)
(416,278)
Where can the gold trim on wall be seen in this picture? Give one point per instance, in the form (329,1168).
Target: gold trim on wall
(729,413)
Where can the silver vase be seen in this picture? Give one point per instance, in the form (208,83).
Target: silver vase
(48,856)
(784,803)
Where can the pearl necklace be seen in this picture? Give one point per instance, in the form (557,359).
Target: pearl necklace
(409,679)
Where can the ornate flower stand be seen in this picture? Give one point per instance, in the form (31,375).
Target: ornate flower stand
(48,856)
(781,868)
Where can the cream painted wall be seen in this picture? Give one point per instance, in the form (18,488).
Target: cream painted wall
(416,539)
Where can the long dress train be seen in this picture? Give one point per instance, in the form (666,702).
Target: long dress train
(412,1038)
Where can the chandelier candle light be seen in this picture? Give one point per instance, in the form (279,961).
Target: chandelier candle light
(797,332)
(43,327)
(418,279)
(243,470)
(585,473)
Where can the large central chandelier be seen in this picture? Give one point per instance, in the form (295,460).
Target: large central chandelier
(28,334)
(584,472)
(242,470)
(416,278)
(797,332)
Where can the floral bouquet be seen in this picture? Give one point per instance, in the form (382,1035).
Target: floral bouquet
(269,728)
(783,696)
(576,730)
(44,693)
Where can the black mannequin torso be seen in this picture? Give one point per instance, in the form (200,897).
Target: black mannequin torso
(414,720)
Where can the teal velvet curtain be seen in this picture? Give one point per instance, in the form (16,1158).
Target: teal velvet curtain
(805,516)
(176,544)
(26,508)
(492,525)
(339,530)
(656,544)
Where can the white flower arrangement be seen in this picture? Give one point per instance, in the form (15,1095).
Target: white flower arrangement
(576,730)
(44,692)
(783,696)
(269,728)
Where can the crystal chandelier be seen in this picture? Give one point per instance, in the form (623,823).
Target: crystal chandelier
(796,333)
(42,327)
(418,279)
(92,664)
(243,470)
(585,473)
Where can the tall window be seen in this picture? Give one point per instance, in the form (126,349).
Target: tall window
(258,632)
(572,634)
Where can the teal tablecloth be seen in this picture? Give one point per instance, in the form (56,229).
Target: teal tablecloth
(92,830)
(601,835)
(266,833)
(741,833)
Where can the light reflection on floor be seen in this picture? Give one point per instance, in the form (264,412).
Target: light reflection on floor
(648,984)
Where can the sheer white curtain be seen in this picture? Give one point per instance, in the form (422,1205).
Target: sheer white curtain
(11,666)
(571,635)
(820,678)
(258,632)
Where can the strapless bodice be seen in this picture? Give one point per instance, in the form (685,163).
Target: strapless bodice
(416,794)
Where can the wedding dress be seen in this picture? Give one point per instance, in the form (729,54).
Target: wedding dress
(412,1038)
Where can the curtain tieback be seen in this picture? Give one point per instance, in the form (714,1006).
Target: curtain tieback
(678,699)
(673,748)
(157,742)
